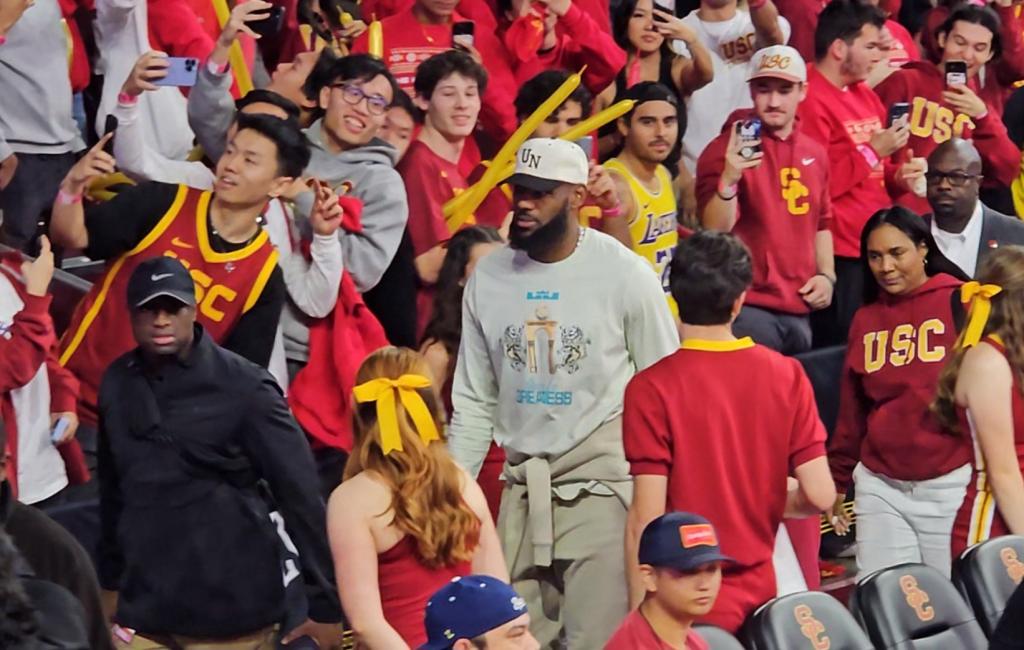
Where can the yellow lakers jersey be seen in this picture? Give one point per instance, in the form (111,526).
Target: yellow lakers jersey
(653,224)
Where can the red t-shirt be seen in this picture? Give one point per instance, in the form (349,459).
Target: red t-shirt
(904,49)
(408,43)
(783,203)
(898,346)
(843,120)
(726,422)
(635,633)
(933,122)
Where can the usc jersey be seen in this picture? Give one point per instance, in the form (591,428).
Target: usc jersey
(653,226)
(227,286)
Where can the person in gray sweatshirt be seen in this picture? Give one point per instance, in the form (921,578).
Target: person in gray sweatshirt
(38,136)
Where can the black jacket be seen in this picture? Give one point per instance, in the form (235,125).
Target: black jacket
(186,535)
(997,230)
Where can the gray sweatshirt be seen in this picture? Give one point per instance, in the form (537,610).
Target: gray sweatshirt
(369,171)
(35,90)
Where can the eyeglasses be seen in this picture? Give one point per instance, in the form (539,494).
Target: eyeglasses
(353,94)
(956,179)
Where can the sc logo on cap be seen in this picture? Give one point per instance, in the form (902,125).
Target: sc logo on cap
(773,61)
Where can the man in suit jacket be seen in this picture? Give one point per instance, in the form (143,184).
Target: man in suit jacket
(965,230)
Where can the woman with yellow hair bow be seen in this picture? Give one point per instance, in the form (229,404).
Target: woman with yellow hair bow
(406,519)
(980,395)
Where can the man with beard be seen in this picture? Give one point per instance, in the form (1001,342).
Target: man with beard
(554,326)
(647,201)
(965,229)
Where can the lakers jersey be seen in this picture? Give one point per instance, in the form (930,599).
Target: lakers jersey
(653,224)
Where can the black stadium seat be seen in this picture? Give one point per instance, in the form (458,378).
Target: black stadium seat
(914,607)
(987,574)
(809,619)
(717,638)
(824,368)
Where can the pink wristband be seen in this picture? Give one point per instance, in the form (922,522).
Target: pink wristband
(124,99)
(63,198)
(217,69)
(611,213)
(869,155)
(3,39)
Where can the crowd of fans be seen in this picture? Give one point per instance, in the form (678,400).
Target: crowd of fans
(473,324)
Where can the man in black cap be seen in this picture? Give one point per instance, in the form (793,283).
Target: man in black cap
(189,436)
(681,568)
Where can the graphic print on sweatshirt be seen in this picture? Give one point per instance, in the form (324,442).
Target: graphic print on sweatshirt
(543,349)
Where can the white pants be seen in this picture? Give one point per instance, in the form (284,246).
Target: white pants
(906,521)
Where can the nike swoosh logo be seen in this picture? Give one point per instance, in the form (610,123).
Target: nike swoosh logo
(807,161)
(156,277)
(177,242)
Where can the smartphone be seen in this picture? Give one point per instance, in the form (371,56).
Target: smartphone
(462,33)
(656,17)
(181,71)
(956,73)
(587,144)
(899,113)
(59,430)
(270,25)
(109,126)
(749,132)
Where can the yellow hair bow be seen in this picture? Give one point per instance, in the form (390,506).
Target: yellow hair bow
(383,391)
(979,296)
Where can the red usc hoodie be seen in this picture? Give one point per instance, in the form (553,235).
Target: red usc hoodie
(897,348)
(783,203)
(932,122)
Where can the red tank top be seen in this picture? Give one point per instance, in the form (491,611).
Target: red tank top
(978,518)
(406,585)
(227,286)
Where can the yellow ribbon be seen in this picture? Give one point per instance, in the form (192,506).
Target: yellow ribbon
(383,391)
(979,296)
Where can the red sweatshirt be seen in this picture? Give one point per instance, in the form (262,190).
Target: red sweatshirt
(580,42)
(483,12)
(803,20)
(408,42)
(932,122)
(174,28)
(843,121)
(897,348)
(783,203)
(904,48)
(81,71)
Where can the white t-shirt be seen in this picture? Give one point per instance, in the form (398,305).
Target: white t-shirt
(41,472)
(732,45)
(547,349)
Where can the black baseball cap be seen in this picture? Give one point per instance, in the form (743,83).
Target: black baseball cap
(160,276)
(650,91)
(680,540)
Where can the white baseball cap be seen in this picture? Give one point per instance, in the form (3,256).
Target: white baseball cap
(542,164)
(779,62)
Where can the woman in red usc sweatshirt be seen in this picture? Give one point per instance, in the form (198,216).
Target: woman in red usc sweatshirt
(909,474)
(980,398)
(939,112)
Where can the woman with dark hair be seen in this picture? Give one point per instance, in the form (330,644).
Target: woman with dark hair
(650,37)
(980,398)
(909,474)
(441,338)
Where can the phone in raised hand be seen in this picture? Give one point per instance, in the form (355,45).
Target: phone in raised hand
(182,71)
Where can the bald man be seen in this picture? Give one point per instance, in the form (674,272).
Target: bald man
(965,230)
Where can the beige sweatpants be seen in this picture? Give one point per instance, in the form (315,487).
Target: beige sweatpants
(578,602)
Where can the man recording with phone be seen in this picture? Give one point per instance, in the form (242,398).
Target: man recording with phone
(846,117)
(772,192)
(944,98)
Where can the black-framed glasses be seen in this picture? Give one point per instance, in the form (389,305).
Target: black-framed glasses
(956,179)
(353,94)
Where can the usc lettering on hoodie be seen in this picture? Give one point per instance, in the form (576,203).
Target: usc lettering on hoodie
(897,348)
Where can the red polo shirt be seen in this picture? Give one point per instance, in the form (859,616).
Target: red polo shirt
(783,203)
(726,423)
(636,633)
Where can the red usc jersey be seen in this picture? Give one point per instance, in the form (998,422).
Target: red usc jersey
(227,286)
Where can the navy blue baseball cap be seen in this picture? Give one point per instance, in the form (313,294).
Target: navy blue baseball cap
(680,540)
(468,607)
(160,276)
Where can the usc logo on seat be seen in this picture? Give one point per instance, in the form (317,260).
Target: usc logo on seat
(1014,567)
(917,598)
(811,627)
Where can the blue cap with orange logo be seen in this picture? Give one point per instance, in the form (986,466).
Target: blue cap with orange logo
(680,540)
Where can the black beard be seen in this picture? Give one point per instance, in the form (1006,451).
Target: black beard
(544,237)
